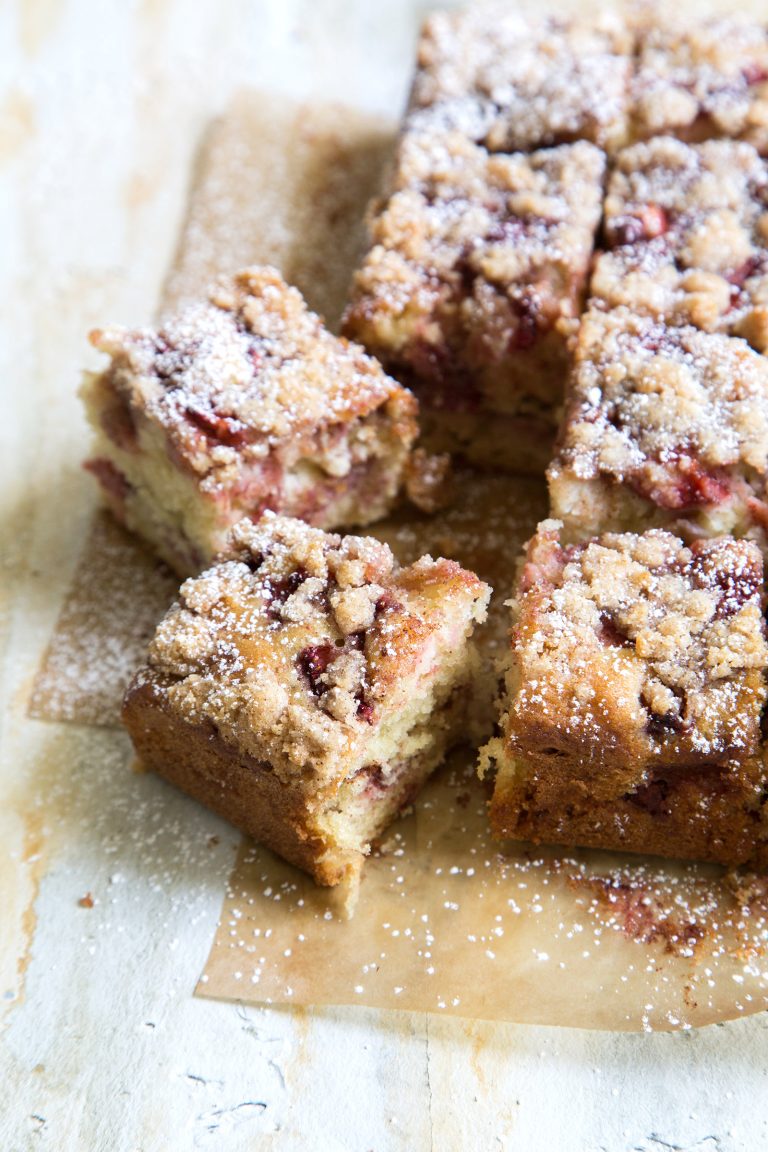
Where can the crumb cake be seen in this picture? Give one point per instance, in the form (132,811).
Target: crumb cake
(701,78)
(664,427)
(473,282)
(306,687)
(516,83)
(686,228)
(632,709)
(242,403)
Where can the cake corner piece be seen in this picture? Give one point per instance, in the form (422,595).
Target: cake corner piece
(632,707)
(306,687)
(241,403)
(473,281)
(664,427)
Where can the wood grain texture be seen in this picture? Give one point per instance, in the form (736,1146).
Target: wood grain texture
(102,1044)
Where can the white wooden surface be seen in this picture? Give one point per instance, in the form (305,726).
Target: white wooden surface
(101,1044)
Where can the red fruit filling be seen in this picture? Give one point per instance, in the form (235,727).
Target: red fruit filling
(611,635)
(651,797)
(279,590)
(754,74)
(645,224)
(687,485)
(118,424)
(432,371)
(754,265)
(527,308)
(735,585)
(111,480)
(385,603)
(314,661)
(224,429)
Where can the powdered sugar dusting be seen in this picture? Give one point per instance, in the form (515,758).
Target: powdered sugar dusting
(675,416)
(450,923)
(528,82)
(118,594)
(296,647)
(477,264)
(702,78)
(282,184)
(686,227)
(234,376)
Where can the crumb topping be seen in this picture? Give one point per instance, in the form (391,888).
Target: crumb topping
(662,642)
(680,415)
(688,226)
(301,642)
(701,78)
(250,368)
(518,83)
(475,256)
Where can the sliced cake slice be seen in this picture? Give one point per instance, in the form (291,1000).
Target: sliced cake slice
(474,280)
(663,427)
(515,81)
(242,403)
(701,79)
(306,688)
(631,712)
(686,228)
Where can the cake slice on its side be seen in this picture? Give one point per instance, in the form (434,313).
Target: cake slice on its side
(471,288)
(306,688)
(240,404)
(686,228)
(663,427)
(633,701)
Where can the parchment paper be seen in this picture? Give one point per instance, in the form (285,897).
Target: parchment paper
(118,594)
(446,921)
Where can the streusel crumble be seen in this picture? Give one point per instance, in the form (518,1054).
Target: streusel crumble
(663,426)
(307,687)
(632,707)
(472,285)
(520,83)
(242,403)
(686,227)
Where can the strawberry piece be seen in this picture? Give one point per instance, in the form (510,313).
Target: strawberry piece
(110,478)
(224,429)
(645,224)
(754,73)
(687,485)
(314,661)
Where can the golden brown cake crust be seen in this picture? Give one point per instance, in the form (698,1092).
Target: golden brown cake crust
(520,82)
(240,403)
(307,673)
(686,227)
(475,277)
(663,426)
(636,687)
(241,789)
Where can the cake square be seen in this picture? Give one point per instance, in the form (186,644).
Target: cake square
(631,716)
(664,427)
(238,404)
(518,83)
(472,285)
(699,79)
(686,227)
(306,687)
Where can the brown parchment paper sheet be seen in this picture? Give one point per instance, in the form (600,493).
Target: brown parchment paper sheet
(119,592)
(446,921)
